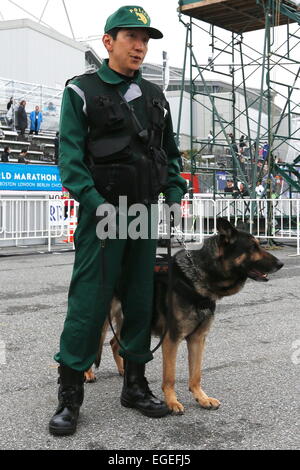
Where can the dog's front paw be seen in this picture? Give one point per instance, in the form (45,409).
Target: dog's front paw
(89,376)
(208,402)
(175,406)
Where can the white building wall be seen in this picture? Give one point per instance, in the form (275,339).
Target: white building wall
(293,151)
(173,98)
(38,55)
(199,117)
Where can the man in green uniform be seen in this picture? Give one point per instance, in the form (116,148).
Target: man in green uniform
(110,120)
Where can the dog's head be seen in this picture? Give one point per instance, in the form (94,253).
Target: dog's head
(241,253)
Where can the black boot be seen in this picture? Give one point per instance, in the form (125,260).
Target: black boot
(137,394)
(70,398)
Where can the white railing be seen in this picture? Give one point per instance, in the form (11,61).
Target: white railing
(32,221)
(264,218)
(29,221)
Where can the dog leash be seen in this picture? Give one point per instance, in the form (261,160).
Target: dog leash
(169,297)
(181,241)
(208,303)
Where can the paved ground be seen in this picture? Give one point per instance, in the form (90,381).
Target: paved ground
(252,365)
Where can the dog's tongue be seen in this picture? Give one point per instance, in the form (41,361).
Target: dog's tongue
(258,276)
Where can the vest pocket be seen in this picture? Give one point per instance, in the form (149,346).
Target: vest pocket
(159,169)
(107,113)
(109,149)
(115,180)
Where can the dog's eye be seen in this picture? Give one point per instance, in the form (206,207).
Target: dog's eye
(253,244)
(253,247)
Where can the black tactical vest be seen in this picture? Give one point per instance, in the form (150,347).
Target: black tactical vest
(110,122)
(120,162)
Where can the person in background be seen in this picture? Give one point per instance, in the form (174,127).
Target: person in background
(278,185)
(231,136)
(22,156)
(210,139)
(265,151)
(10,111)
(242,161)
(10,103)
(22,118)
(51,107)
(259,189)
(243,191)
(5,155)
(233,142)
(36,118)
(242,143)
(229,186)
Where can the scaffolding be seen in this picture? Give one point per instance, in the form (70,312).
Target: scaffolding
(269,130)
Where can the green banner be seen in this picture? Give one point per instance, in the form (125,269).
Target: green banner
(187,2)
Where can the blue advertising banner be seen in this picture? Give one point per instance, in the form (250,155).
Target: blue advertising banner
(23,177)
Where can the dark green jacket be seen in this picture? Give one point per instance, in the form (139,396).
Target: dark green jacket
(74,134)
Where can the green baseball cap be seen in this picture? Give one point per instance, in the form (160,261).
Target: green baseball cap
(132,16)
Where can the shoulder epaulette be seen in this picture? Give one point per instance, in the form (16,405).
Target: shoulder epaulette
(79,76)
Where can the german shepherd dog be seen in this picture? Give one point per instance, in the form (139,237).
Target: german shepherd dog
(218,269)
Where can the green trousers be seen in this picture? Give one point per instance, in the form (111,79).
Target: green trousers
(130,263)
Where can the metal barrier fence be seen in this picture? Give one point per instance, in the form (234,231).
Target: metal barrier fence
(31,221)
(263,218)
(47,221)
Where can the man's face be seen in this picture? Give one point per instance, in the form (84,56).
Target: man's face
(127,51)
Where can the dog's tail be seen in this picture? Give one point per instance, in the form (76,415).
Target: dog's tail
(101,342)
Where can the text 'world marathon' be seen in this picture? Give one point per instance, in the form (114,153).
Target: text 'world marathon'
(27,176)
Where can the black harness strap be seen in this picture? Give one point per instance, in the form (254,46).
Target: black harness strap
(185,288)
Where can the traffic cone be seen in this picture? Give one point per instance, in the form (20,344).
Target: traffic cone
(72,226)
(71,233)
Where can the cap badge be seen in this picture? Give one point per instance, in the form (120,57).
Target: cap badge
(141,14)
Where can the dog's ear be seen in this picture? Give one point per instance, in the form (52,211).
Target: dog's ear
(242,226)
(228,231)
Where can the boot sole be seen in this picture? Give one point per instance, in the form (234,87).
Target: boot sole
(61,432)
(149,413)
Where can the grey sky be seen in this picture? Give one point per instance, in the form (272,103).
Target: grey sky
(88,19)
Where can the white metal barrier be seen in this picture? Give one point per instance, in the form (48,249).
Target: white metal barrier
(264,218)
(29,221)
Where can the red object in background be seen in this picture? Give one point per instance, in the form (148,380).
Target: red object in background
(185,208)
(66,196)
(192,181)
